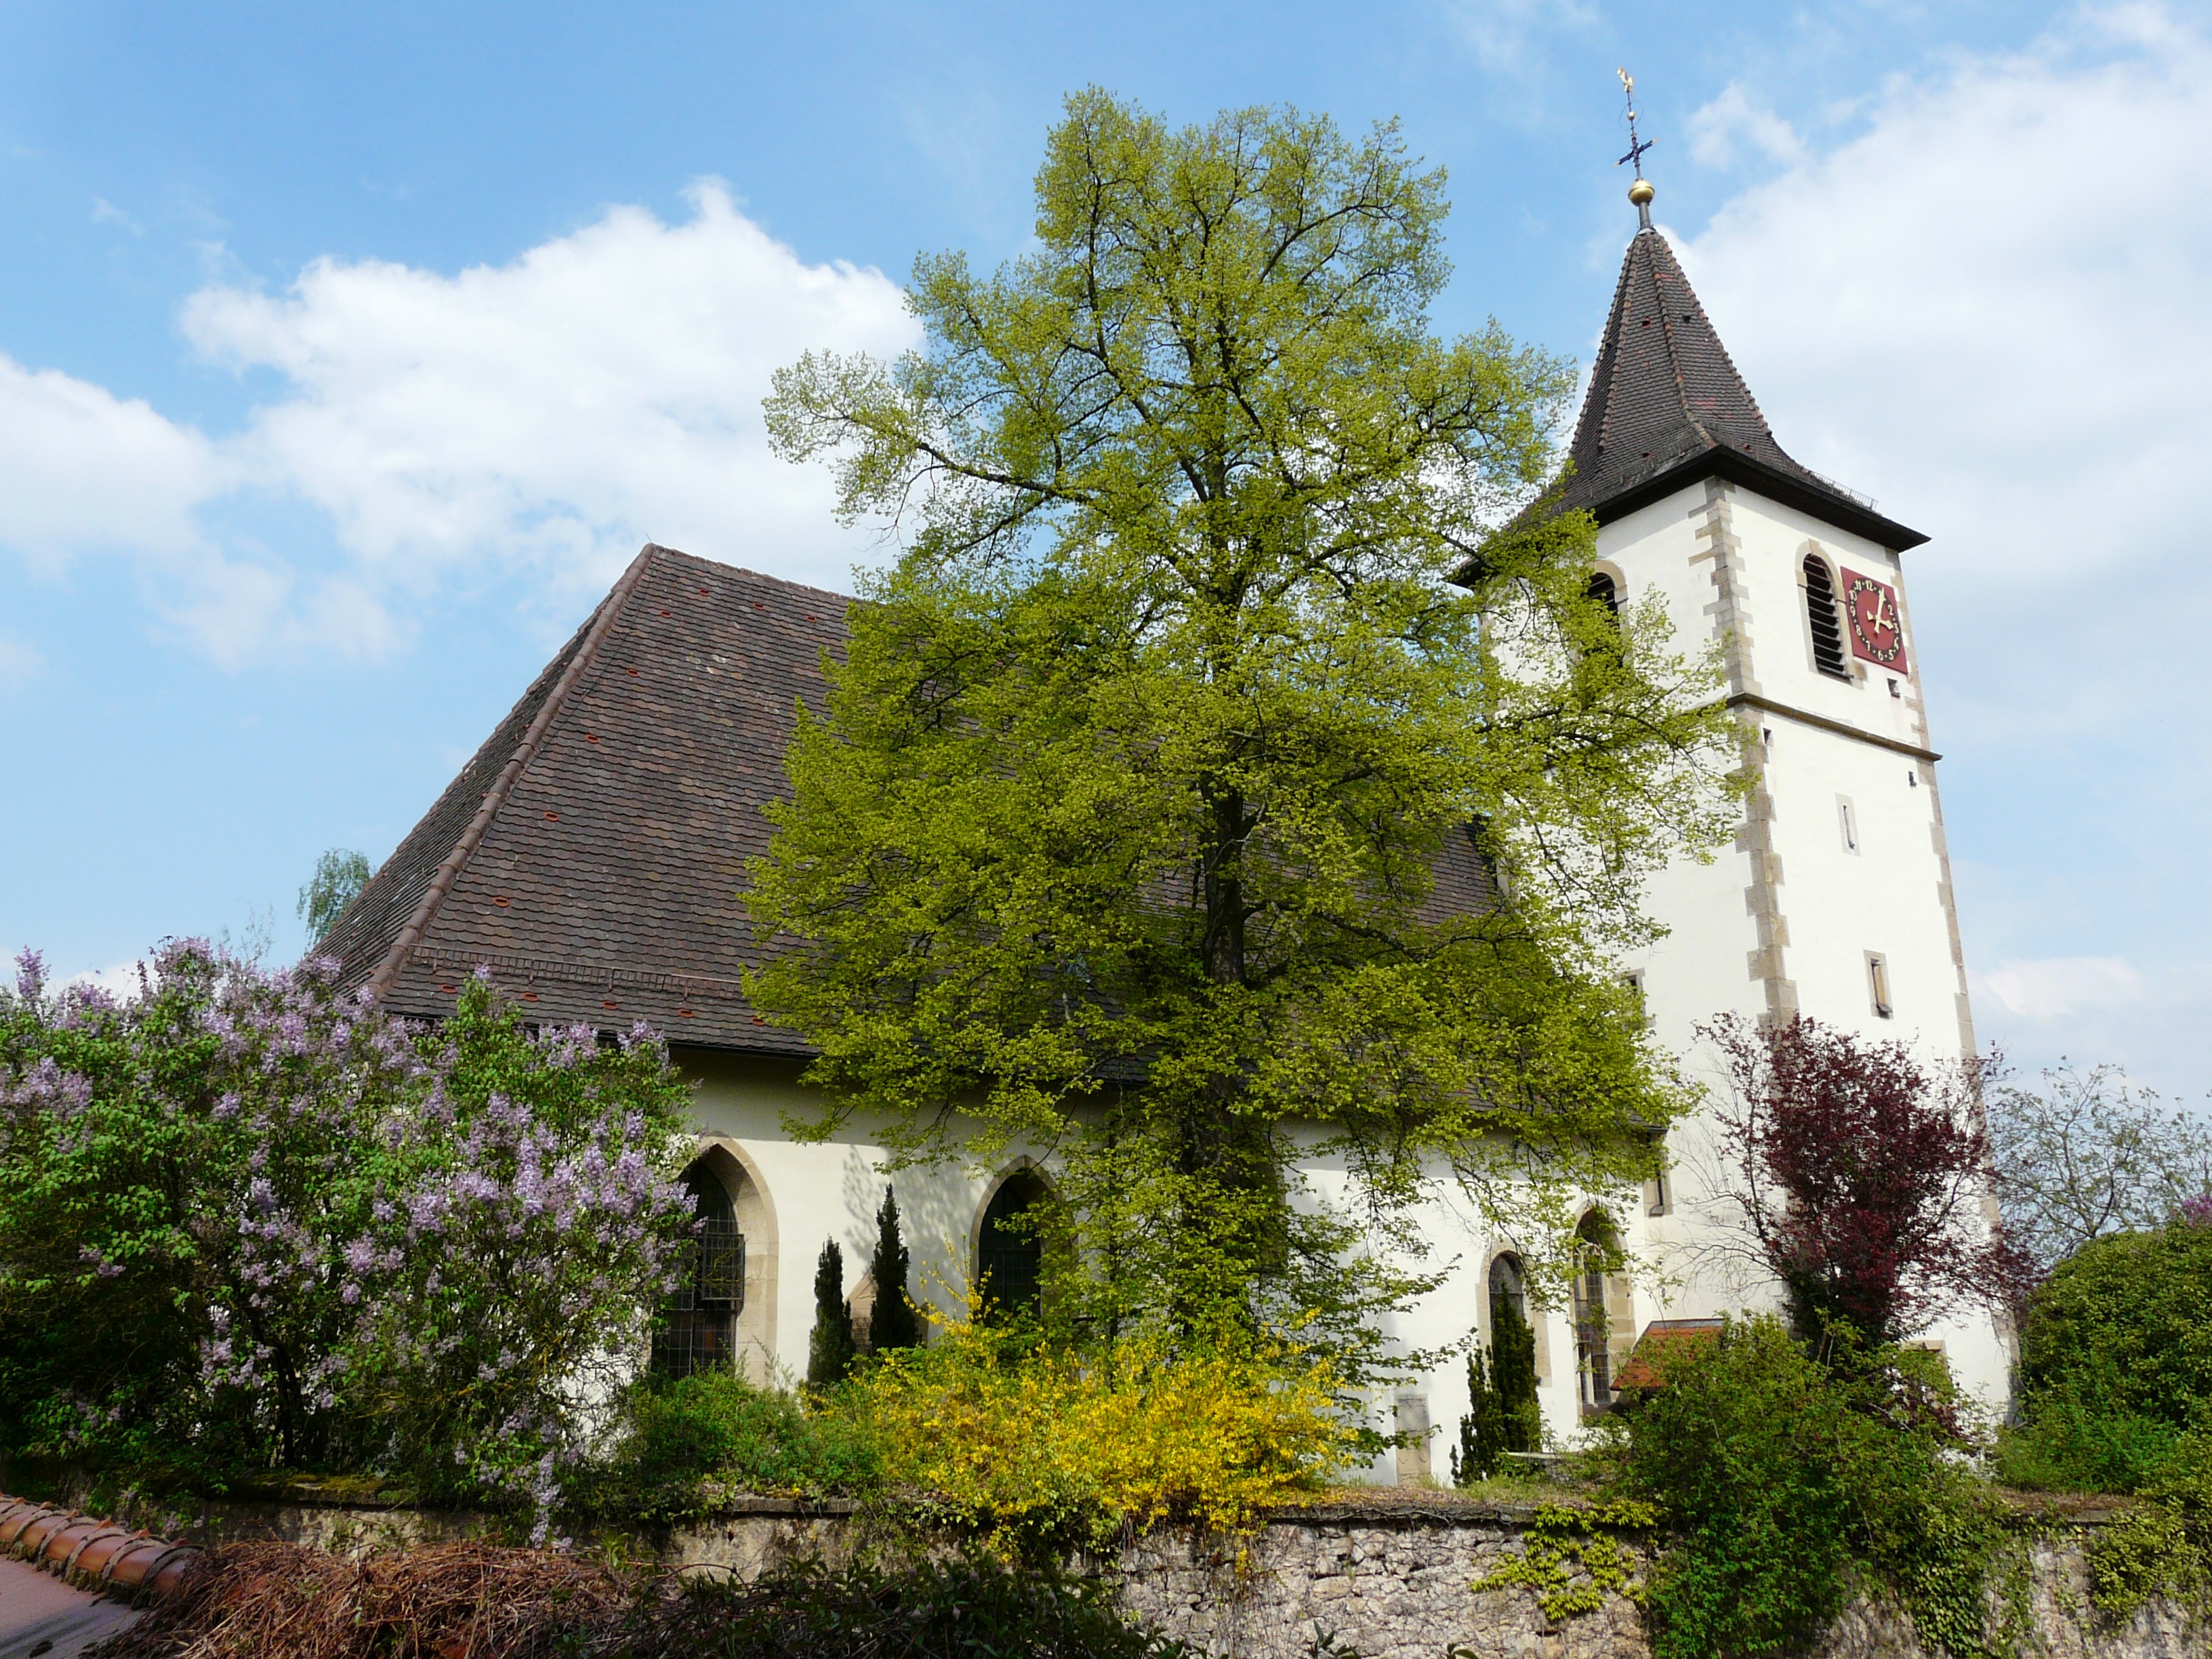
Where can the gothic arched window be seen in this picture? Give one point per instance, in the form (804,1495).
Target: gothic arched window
(1820,612)
(1601,1304)
(1010,1255)
(698,1329)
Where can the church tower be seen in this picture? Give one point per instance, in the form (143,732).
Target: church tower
(1835,900)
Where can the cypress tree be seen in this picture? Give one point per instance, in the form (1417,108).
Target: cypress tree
(829,1353)
(893,1323)
(1482,1430)
(1513,1375)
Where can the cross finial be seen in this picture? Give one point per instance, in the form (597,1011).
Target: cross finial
(1640,192)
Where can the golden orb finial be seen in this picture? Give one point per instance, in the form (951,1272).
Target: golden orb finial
(1641,193)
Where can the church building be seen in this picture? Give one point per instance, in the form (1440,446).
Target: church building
(592,856)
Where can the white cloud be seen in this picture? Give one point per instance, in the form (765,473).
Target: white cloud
(2059,985)
(538,419)
(1505,34)
(1734,119)
(83,471)
(1988,307)
(121,981)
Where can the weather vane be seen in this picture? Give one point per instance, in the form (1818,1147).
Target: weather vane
(1640,192)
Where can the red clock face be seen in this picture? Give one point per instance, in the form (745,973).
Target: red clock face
(1877,631)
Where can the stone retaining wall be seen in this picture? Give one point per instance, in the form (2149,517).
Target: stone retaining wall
(1388,1578)
(1399,1586)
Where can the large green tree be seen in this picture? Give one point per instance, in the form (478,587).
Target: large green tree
(1146,817)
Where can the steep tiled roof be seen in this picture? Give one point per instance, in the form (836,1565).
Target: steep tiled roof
(1666,406)
(593,851)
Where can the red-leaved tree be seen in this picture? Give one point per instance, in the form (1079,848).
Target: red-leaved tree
(1862,1176)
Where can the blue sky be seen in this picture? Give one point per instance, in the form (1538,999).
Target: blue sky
(346,353)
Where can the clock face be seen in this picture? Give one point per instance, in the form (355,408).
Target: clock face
(1877,631)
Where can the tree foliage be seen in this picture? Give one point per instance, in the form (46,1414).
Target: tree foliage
(1504,1415)
(1140,824)
(1859,1175)
(829,1346)
(2088,1154)
(339,876)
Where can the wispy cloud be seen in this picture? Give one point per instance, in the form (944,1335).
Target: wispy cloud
(104,212)
(20,663)
(2059,985)
(1735,121)
(1510,34)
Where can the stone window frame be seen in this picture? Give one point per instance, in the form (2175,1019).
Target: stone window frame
(739,1175)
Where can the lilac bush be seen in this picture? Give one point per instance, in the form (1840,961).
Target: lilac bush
(505,1289)
(246,1221)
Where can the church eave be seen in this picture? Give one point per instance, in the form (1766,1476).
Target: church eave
(1771,481)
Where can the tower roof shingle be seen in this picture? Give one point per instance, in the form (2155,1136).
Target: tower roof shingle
(1667,407)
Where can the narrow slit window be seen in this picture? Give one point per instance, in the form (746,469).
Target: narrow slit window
(1820,611)
(1848,820)
(1878,984)
(1658,1199)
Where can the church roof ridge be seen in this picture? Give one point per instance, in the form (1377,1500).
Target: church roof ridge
(1667,405)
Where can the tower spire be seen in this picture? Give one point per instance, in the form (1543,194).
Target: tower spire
(1640,192)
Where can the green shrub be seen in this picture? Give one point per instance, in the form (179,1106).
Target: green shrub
(967,1609)
(2166,1548)
(2072,1445)
(2115,1362)
(1784,1472)
(684,1445)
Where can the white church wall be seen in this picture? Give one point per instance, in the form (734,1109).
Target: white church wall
(830,1189)
(1832,905)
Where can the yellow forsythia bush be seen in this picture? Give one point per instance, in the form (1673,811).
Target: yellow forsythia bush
(1034,1446)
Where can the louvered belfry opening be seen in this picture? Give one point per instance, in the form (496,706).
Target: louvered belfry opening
(1827,630)
(698,1326)
(1601,589)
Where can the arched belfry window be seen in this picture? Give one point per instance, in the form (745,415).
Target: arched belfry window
(1820,611)
(1010,1253)
(698,1329)
(1602,1312)
(1604,591)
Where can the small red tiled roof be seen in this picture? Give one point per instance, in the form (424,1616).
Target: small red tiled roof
(1664,1341)
(593,852)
